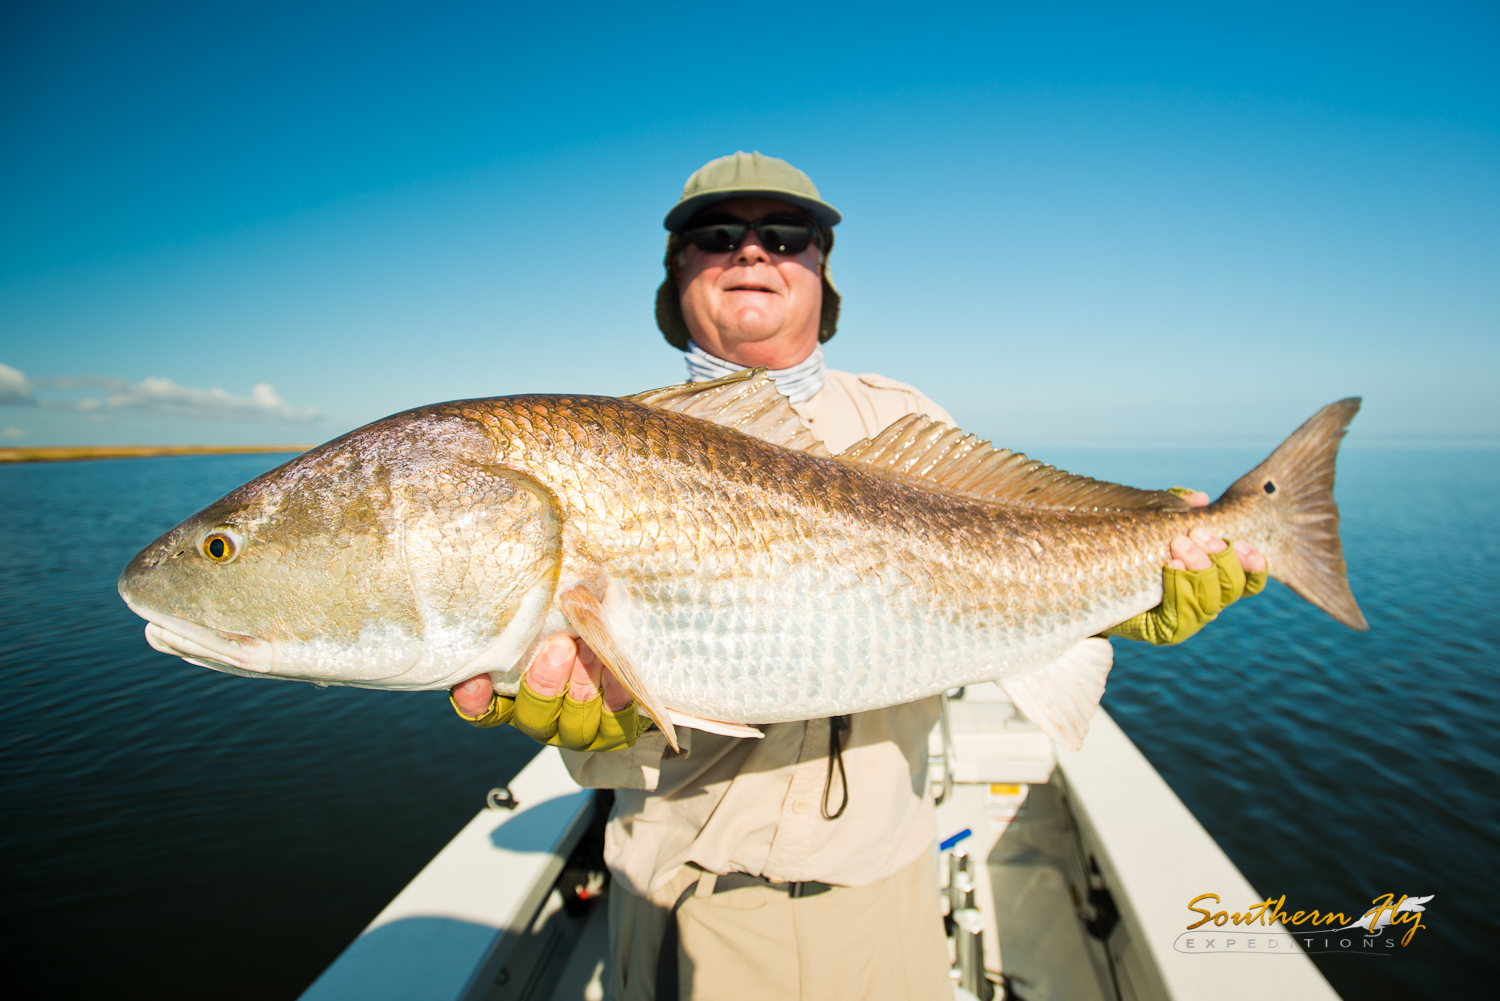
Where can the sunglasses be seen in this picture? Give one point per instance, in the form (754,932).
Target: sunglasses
(781,236)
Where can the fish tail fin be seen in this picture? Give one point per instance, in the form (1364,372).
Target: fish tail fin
(1297,482)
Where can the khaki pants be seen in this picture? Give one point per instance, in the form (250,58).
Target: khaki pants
(862,943)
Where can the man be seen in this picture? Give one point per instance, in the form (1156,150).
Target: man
(755,868)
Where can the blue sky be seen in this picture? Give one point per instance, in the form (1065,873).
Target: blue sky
(1078,224)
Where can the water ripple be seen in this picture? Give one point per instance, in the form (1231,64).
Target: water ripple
(170,826)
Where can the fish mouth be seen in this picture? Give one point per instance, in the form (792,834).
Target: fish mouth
(234,653)
(252,657)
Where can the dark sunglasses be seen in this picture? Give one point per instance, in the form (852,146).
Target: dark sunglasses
(781,236)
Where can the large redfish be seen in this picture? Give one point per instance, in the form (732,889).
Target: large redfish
(710,550)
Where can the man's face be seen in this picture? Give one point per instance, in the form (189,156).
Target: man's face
(749,305)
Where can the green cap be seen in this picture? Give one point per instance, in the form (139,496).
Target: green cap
(749,175)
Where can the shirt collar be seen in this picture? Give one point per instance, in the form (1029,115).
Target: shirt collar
(799,383)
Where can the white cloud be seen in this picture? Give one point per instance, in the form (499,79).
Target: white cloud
(154,396)
(14,432)
(14,387)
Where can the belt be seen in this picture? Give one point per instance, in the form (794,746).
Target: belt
(666,956)
(739,881)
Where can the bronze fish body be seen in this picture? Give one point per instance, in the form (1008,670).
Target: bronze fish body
(724,565)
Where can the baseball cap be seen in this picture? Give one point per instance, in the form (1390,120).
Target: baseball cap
(749,175)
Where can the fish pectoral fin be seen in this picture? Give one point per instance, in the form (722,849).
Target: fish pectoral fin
(747,401)
(1062,697)
(713,725)
(583,610)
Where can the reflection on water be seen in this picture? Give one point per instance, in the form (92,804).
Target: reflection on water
(173,831)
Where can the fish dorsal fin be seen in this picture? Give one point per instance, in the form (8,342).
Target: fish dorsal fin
(1062,697)
(940,455)
(746,401)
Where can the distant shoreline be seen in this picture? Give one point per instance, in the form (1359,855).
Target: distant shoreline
(77,453)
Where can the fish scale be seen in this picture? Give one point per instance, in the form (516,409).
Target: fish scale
(963,615)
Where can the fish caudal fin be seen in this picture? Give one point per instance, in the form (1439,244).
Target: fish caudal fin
(583,610)
(1062,697)
(1297,482)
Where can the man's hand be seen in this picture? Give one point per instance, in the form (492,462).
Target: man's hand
(1190,552)
(1200,580)
(473,696)
(561,663)
(567,697)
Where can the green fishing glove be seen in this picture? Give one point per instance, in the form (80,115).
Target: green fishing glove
(1191,599)
(561,721)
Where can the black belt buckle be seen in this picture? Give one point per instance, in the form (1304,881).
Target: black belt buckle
(729,881)
(810,888)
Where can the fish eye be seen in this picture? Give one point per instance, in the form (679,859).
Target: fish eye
(222,545)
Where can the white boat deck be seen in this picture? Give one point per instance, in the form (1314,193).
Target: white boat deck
(458,927)
(1059,832)
(1108,806)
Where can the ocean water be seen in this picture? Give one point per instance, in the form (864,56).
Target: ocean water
(1336,766)
(173,832)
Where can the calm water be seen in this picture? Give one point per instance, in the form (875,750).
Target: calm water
(175,832)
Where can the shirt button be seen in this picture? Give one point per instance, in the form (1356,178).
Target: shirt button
(800,806)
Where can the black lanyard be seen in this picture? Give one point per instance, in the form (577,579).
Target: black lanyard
(836,726)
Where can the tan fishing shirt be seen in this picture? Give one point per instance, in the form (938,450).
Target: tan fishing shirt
(731,804)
